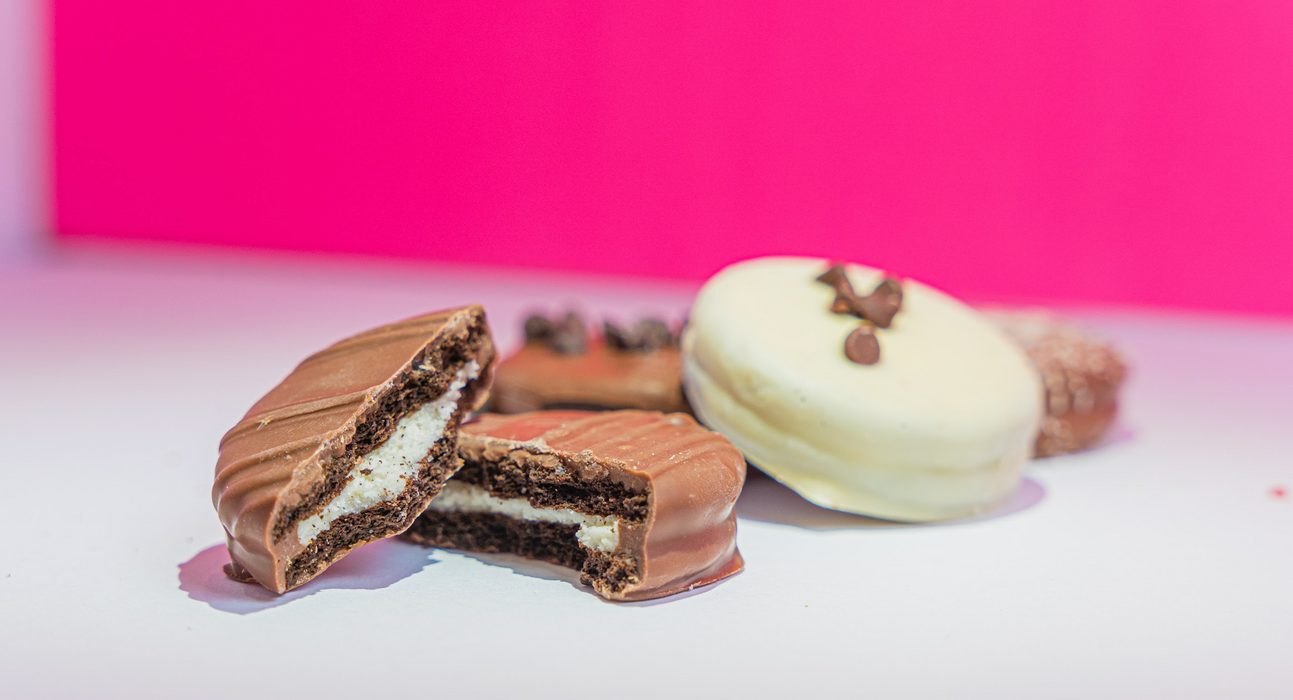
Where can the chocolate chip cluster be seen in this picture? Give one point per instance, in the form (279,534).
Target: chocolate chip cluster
(876,310)
(569,335)
(647,335)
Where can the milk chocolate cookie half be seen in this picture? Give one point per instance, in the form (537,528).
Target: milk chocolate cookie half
(1080,372)
(350,447)
(639,502)
(563,366)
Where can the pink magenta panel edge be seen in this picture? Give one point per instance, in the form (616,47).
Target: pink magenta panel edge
(1079,150)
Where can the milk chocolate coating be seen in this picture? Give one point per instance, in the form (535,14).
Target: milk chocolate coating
(1081,374)
(691,478)
(536,378)
(861,346)
(294,449)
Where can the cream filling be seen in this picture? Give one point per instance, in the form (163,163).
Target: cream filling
(384,473)
(596,532)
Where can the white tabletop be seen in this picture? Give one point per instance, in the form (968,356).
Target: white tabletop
(1159,565)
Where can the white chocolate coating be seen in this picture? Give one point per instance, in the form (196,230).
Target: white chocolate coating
(939,428)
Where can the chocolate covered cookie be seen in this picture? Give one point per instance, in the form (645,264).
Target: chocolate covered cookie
(1080,372)
(640,503)
(861,392)
(350,447)
(563,366)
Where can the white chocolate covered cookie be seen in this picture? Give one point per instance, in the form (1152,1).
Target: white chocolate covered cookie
(939,427)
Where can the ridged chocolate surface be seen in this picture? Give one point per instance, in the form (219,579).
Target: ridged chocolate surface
(274,461)
(1081,373)
(693,475)
(537,378)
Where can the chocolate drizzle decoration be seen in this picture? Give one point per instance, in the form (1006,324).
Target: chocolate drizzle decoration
(876,310)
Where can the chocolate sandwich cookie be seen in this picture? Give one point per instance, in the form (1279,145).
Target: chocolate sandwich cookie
(350,447)
(563,366)
(1080,373)
(641,503)
(861,392)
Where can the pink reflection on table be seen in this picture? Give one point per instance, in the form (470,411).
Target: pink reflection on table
(371,567)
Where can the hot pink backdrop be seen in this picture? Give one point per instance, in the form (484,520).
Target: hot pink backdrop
(1102,150)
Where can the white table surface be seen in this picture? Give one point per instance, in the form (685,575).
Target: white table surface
(1158,566)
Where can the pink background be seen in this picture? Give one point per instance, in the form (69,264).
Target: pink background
(1088,150)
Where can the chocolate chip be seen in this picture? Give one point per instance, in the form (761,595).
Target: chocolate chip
(617,338)
(889,286)
(878,307)
(655,334)
(881,305)
(845,304)
(537,328)
(861,346)
(846,300)
(646,336)
(569,336)
(836,277)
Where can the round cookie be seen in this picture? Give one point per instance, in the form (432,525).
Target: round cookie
(938,428)
(562,366)
(1080,372)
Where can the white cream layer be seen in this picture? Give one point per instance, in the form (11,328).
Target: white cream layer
(596,532)
(384,473)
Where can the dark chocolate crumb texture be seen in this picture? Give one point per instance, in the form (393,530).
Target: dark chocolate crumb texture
(350,447)
(641,503)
